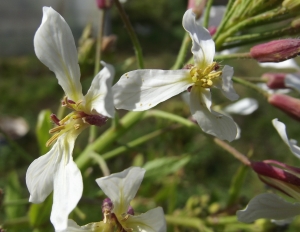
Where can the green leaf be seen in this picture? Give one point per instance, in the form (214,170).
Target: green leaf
(42,130)
(163,166)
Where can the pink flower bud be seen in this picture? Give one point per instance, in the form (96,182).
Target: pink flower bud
(274,80)
(289,105)
(197,6)
(212,30)
(104,4)
(276,51)
(280,176)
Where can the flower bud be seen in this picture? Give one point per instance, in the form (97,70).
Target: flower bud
(280,176)
(289,105)
(104,4)
(212,30)
(274,80)
(197,6)
(276,51)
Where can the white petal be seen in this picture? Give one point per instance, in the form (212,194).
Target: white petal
(269,206)
(54,45)
(68,185)
(283,222)
(272,91)
(280,127)
(73,227)
(292,81)
(99,96)
(93,226)
(39,176)
(151,221)
(143,89)
(225,84)
(244,106)
(121,187)
(210,121)
(281,65)
(203,47)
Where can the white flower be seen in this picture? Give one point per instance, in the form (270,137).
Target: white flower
(143,89)
(269,205)
(55,47)
(121,188)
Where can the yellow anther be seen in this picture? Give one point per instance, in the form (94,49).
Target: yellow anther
(56,129)
(209,83)
(52,139)
(76,126)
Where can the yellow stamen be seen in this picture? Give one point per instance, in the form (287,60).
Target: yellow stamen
(56,129)
(52,139)
(76,126)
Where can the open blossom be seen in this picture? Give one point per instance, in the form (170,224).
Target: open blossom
(55,47)
(118,215)
(143,89)
(280,176)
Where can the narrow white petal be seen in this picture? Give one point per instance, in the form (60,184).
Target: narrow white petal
(283,222)
(292,144)
(151,221)
(100,97)
(210,121)
(121,187)
(91,227)
(244,106)
(281,65)
(73,227)
(68,187)
(225,84)
(54,45)
(39,176)
(203,47)
(269,206)
(143,89)
(292,81)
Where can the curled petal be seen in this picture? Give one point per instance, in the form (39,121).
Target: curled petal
(99,96)
(39,176)
(269,206)
(143,89)
(151,221)
(121,187)
(203,47)
(54,45)
(210,121)
(91,227)
(292,81)
(226,85)
(244,106)
(292,144)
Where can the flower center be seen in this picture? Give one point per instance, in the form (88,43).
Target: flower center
(205,77)
(76,120)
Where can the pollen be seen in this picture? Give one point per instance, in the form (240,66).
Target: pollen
(205,77)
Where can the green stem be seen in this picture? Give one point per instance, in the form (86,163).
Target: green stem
(102,164)
(182,52)
(108,137)
(134,143)
(207,13)
(256,20)
(233,56)
(187,222)
(134,39)
(171,117)
(250,85)
(99,41)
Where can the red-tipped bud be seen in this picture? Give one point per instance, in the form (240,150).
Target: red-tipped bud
(274,80)
(280,176)
(212,30)
(276,51)
(197,7)
(104,4)
(289,105)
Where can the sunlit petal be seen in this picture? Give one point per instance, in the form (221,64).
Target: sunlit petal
(99,96)
(292,81)
(54,45)
(39,176)
(280,127)
(143,89)
(121,187)
(210,121)
(225,83)
(203,47)
(269,206)
(68,188)
(244,106)
(281,65)
(151,221)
